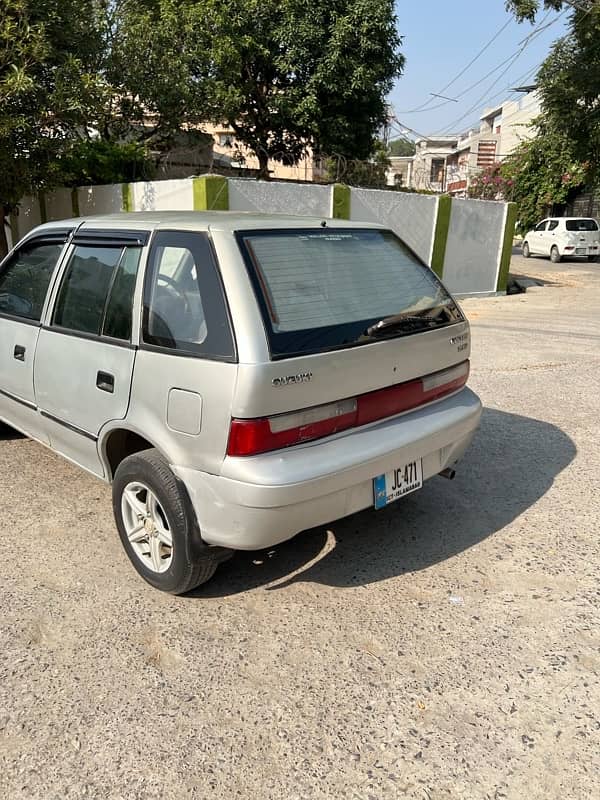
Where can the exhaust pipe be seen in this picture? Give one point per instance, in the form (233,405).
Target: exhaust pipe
(448,473)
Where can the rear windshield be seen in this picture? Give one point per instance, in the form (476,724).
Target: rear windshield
(581,225)
(323,289)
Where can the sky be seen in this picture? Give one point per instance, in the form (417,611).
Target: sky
(439,41)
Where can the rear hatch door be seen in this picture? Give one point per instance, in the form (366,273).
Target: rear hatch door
(346,312)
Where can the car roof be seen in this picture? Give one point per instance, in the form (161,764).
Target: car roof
(194,220)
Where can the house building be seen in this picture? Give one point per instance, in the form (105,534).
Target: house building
(240,157)
(447,163)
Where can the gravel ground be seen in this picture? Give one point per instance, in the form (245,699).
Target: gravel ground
(446,647)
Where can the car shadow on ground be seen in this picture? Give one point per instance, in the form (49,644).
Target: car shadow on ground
(7,433)
(512,462)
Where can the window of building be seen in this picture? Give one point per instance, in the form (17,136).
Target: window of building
(437,170)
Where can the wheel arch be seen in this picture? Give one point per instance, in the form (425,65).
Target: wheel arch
(118,443)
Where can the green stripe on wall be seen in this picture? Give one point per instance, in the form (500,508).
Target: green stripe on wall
(14,227)
(341,201)
(42,204)
(211,193)
(440,237)
(127,203)
(75,202)
(509,233)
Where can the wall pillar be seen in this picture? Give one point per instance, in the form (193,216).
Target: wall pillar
(341,201)
(440,234)
(211,193)
(510,219)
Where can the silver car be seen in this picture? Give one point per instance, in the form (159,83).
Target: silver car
(236,378)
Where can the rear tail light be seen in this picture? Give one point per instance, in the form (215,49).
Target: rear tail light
(252,436)
(570,247)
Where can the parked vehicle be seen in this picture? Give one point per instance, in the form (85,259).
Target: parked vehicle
(564,236)
(237,378)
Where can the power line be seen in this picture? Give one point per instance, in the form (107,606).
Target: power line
(463,70)
(511,60)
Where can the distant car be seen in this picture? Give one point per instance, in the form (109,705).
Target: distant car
(564,236)
(237,378)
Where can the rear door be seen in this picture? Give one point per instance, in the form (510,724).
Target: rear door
(553,236)
(25,279)
(346,311)
(582,236)
(85,356)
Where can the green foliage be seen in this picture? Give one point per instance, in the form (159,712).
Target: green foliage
(96,161)
(297,74)
(527,9)
(542,172)
(401,147)
(491,184)
(569,83)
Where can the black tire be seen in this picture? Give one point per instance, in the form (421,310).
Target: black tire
(526,252)
(193,562)
(555,256)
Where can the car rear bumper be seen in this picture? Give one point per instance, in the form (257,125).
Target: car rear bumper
(262,500)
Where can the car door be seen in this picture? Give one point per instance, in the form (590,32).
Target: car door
(85,355)
(25,279)
(552,237)
(538,240)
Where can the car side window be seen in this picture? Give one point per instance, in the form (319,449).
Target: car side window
(184,305)
(96,293)
(552,224)
(25,279)
(541,226)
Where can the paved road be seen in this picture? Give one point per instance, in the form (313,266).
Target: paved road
(447,647)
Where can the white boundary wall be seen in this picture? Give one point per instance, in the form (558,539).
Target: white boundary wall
(412,216)
(277,197)
(474,246)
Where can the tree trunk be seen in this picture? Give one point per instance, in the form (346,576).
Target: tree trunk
(263,165)
(3,239)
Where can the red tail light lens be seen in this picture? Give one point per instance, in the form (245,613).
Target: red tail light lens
(252,436)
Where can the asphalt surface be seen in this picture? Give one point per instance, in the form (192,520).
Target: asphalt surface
(446,647)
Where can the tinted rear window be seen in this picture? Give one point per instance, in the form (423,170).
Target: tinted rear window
(581,225)
(320,289)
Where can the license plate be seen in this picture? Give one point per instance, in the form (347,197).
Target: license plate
(398,482)
(580,251)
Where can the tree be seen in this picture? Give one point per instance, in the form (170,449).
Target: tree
(401,147)
(45,90)
(527,9)
(541,173)
(569,85)
(299,74)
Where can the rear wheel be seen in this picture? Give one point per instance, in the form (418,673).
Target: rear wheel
(158,527)
(526,252)
(554,255)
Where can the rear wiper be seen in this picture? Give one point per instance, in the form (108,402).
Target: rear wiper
(407,322)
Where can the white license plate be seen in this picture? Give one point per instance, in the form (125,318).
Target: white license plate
(395,484)
(580,251)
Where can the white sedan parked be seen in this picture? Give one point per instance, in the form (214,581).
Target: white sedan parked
(563,236)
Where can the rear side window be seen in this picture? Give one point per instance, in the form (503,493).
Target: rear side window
(25,279)
(581,225)
(184,304)
(96,294)
(322,289)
